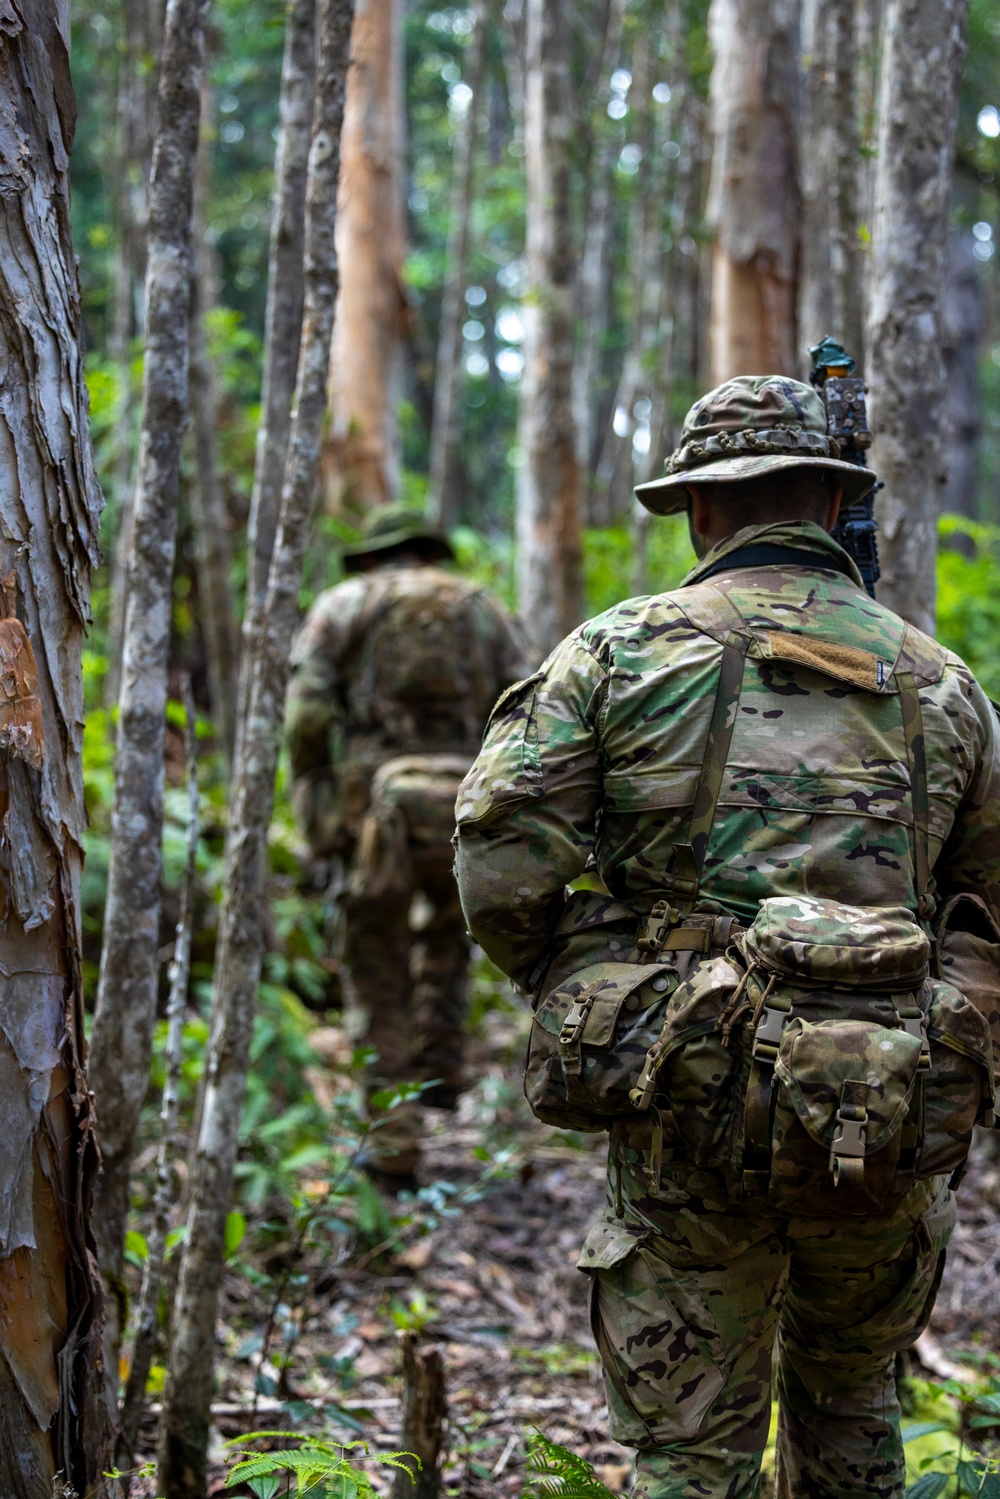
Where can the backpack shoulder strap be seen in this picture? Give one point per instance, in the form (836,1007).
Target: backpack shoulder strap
(710,611)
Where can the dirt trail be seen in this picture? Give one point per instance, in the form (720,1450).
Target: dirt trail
(496,1285)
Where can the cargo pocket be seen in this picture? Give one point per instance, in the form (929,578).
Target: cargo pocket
(661,1350)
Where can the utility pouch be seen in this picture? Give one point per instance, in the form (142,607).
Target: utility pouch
(968,956)
(863,1074)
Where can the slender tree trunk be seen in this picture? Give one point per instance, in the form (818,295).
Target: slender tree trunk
(363,455)
(52,1418)
(923,51)
(209,514)
(754,199)
(446,424)
(867,38)
(965,317)
(142,38)
(126,994)
(283,318)
(550,588)
(184,1435)
(592,301)
(832,281)
(144,1320)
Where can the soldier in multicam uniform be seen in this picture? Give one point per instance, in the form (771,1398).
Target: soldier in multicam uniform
(600,753)
(395,672)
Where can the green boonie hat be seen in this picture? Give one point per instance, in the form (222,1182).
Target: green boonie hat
(751,425)
(397,526)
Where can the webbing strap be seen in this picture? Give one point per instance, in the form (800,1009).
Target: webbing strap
(690,856)
(913,730)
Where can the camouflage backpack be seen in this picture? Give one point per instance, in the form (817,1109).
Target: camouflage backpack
(812,1051)
(417,672)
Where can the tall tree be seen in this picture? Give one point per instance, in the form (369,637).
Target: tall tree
(142,35)
(285,291)
(923,51)
(363,454)
(963,321)
(550,590)
(52,1419)
(445,427)
(831,284)
(206,496)
(754,197)
(126,994)
(184,1435)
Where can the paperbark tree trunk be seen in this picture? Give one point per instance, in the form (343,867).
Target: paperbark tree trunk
(126,994)
(754,198)
(446,423)
(52,1418)
(923,51)
(363,455)
(549,550)
(283,317)
(831,289)
(185,1428)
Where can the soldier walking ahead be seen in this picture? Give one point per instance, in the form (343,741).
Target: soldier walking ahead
(395,672)
(784,787)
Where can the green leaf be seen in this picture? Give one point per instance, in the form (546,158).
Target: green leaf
(236,1228)
(928,1487)
(922,1429)
(561,1473)
(977,1478)
(266,1486)
(136,1248)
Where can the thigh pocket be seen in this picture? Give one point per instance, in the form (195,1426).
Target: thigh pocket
(660,1347)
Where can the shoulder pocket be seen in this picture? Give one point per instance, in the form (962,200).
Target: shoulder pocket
(509,768)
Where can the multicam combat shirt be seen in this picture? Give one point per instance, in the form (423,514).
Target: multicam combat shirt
(600,752)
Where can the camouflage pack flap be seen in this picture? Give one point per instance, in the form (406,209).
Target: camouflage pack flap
(816,1061)
(600,993)
(843,947)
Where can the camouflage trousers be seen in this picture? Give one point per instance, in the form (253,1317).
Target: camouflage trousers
(699,1306)
(405,949)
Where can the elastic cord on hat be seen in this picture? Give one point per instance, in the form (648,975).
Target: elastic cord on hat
(780,439)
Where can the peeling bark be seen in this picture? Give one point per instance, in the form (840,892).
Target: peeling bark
(126,996)
(184,1433)
(753,202)
(549,548)
(832,280)
(363,452)
(51,1417)
(923,51)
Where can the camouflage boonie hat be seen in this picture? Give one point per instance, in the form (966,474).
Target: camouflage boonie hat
(751,425)
(397,526)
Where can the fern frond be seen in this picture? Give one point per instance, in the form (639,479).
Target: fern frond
(561,1473)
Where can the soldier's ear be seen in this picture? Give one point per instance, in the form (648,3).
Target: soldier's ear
(699,510)
(837,494)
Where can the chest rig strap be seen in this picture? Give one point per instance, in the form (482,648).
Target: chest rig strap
(916,754)
(684,882)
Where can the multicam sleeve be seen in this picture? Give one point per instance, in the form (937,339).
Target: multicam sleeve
(970,860)
(527,810)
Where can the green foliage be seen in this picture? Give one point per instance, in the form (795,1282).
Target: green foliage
(553,1472)
(969,597)
(326,1470)
(951,1448)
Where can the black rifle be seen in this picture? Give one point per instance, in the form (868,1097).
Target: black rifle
(847,420)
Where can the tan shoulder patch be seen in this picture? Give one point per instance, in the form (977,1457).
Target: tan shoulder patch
(845,662)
